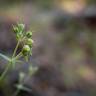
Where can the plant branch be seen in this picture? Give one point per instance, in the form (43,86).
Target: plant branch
(5,71)
(14,53)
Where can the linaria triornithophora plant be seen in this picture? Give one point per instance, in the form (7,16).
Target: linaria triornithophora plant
(24,38)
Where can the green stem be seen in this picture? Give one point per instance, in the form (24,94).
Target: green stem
(16,48)
(14,53)
(5,71)
(19,55)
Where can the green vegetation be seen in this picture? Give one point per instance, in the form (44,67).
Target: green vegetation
(23,38)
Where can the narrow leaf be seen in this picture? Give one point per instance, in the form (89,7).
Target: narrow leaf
(21,87)
(5,57)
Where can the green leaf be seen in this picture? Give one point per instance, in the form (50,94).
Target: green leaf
(5,57)
(22,87)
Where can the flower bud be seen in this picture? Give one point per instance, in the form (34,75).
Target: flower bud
(21,27)
(19,36)
(29,34)
(29,42)
(26,50)
(15,29)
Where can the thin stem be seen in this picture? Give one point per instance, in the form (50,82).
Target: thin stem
(19,55)
(16,48)
(14,53)
(5,71)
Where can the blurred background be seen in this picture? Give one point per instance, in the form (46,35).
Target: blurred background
(64,34)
